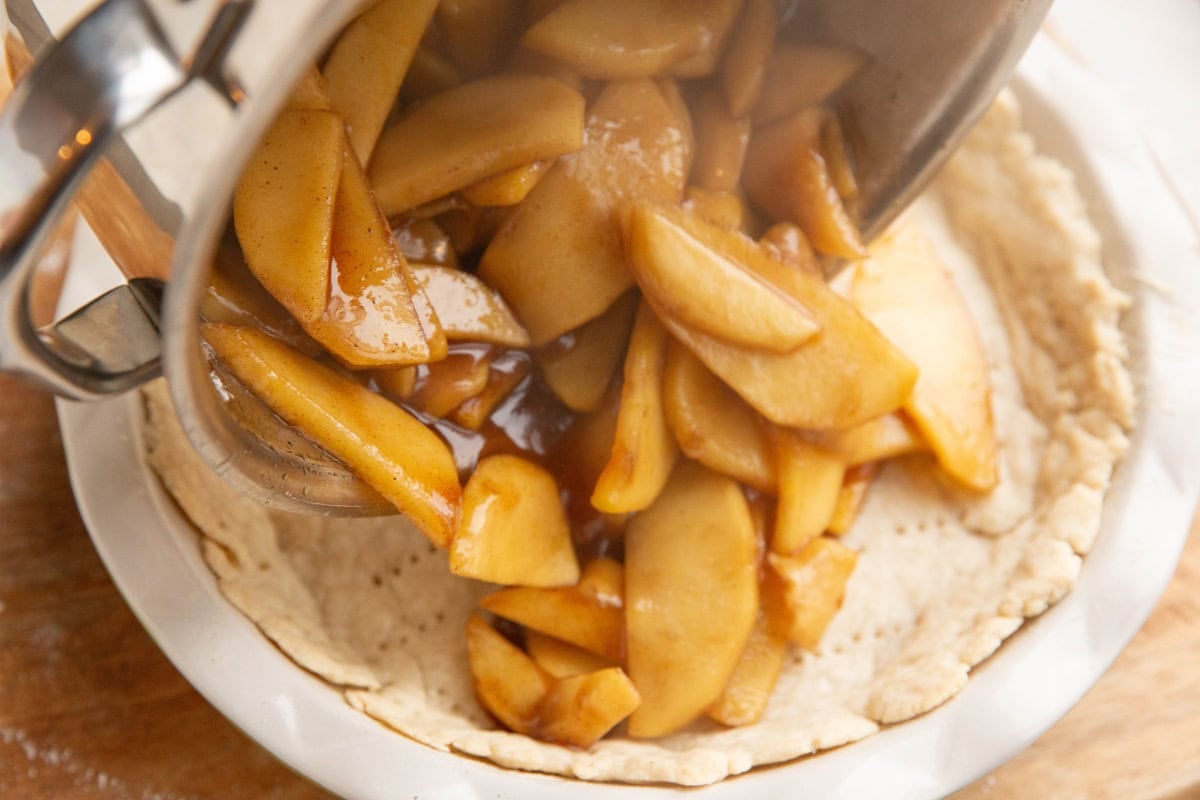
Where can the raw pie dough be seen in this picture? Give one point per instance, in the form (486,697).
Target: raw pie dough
(942,579)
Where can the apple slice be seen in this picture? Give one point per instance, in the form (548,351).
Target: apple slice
(579,366)
(565,613)
(644,450)
(750,47)
(786,175)
(879,439)
(385,445)
(579,710)
(846,375)
(815,581)
(745,698)
(810,478)
(368,63)
(905,290)
(422,241)
(559,261)
(706,290)
(559,659)
(691,595)
(505,373)
(478,34)
(512,529)
(443,386)
(507,682)
(851,497)
(784,241)
(837,158)
(724,209)
(507,188)
(800,76)
(454,139)
(396,383)
(713,425)
(467,308)
(721,141)
(283,209)
(621,39)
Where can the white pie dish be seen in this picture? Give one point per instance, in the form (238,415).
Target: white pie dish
(154,558)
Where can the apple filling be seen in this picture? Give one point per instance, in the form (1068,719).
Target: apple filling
(548,276)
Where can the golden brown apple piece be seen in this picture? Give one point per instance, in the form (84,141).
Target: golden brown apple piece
(443,386)
(850,499)
(621,39)
(507,682)
(566,613)
(786,175)
(800,76)
(422,241)
(846,375)
(512,529)
(579,366)
(706,290)
(397,383)
(745,697)
(368,63)
(878,439)
(372,317)
(507,188)
(721,141)
(479,33)
(644,450)
(750,48)
(723,209)
(559,659)
(784,241)
(559,261)
(505,373)
(906,291)
(283,209)
(810,478)
(579,710)
(691,595)
(837,159)
(470,132)
(385,445)
(815,581)
(712,424)
(468,309)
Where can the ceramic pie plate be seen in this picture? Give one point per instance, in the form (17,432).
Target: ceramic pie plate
(154,557)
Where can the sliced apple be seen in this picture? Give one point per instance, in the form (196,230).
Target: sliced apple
(579,366)
(396,383)
(906,291)
(423,241)
(443,386)
(504,375)
(468,309)
(579,710)
(644,450)
(603,580)
(559,261)
(750,47)
(368,63)
(723,209)
(815,581)
(721,141)
(800,76)
(837,157)
(479,33)
(461,136)
(283,209)
(385,446)
(621,39)
(846,375)
(704,289)
(786,176)
(310,93)
(565,613)
(371,318)
(512,529)
(878,439)
(744,699)
(507,682)
(712,424)
(851,497)
(810,478)
(691,595)
(507,188)
(560,659)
